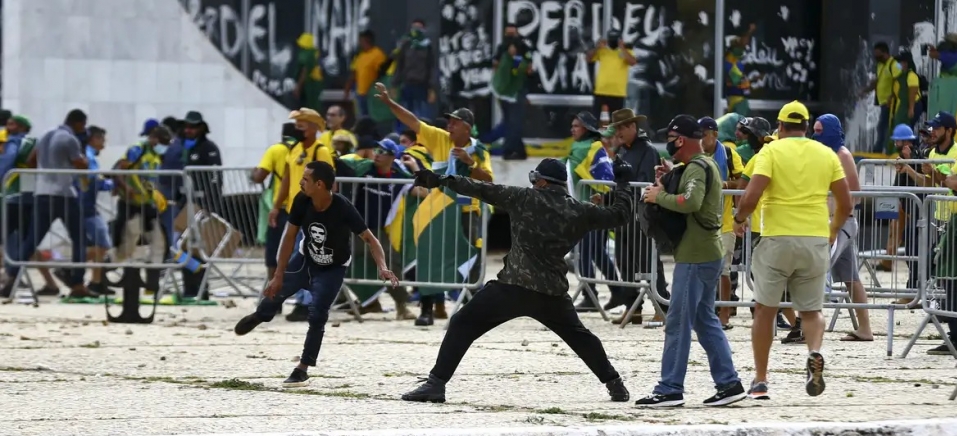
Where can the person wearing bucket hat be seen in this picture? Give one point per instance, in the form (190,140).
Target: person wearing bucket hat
(633,254)
(588,160)
(755,131)
(546,224)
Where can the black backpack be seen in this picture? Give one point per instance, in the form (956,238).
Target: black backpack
(665,226)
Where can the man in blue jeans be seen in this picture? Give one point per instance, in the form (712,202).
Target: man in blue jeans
(698,260)
(319,264)
(56,198)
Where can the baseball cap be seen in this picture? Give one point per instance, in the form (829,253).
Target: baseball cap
(708,123)
(794,112)
(148,126)
(684,125)
(390,147)
(943,119)
(462,114)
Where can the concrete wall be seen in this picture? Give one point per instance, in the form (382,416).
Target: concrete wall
(123,61)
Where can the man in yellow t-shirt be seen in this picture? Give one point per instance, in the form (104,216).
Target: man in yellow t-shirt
(273,163)
(335,128)
(611,81)
(888,70)
(307,150)
(454,152)
(794,175)
(365,70)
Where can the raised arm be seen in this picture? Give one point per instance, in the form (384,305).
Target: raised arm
(401,113)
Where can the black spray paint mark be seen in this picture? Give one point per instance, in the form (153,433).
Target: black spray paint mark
(465,50)
(559,33)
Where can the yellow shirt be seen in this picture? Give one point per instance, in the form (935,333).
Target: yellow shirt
(887,73)
(297,160)
(801,172)
(439,144)
(366,68)
(944,211)
(274,161)
(612,77)
(325,139)
(727,218)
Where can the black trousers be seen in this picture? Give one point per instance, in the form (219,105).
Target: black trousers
(498,303)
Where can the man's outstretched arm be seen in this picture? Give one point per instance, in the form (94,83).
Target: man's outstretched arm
(501,196)
(618,214)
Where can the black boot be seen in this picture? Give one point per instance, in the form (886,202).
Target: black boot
(587,305)
(427,304)
(432,391)
(617,390)
(299,314)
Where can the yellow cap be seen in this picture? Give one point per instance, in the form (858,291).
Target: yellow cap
(794,112)
(306,41)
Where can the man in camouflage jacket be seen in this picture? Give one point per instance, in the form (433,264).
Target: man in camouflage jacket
(546,224)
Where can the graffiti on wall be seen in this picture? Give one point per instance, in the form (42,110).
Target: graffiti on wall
(783,56)
(259,37)
(465,48)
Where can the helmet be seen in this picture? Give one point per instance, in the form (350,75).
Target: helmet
(903,132)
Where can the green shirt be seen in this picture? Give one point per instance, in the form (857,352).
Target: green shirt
(698,245)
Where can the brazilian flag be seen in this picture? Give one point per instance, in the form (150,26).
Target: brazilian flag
(443,253)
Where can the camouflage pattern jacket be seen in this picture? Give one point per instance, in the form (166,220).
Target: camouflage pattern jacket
(546,223)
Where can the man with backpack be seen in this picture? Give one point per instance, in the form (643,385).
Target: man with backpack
(691,194)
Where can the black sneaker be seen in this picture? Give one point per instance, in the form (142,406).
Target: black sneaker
(617,390)
(727,396)
(432,391)
(940,350)
(759,390)
(795,336)
(783,323)
(50,291)
(586,305)
(815,374)
(297,379)
(656,401)
(299,314)
(100,288)
(7,290)
(247,324)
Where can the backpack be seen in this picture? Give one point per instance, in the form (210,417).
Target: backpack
(727,150)
(924,87)
(667,227)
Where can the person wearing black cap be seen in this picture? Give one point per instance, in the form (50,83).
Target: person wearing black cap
(199,150)
(698,259)
(546,224)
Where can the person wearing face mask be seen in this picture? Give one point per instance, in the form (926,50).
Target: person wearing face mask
(415,66)
(546,223)
(614,58)
(844,265)
(737,86)
(698,260)
(511,66)
(140,202)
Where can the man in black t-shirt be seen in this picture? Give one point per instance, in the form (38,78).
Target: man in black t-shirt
(319,264)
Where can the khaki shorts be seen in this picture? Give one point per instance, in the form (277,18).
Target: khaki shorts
(727,241)
(798,264)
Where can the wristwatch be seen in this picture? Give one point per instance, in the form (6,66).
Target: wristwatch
(739,221)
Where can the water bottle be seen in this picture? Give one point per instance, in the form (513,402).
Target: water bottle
(191,264)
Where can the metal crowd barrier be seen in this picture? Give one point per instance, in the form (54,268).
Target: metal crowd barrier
(234,255)
(873,214)
(124,232)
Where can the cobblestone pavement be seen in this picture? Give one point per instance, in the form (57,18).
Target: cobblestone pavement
(65,371)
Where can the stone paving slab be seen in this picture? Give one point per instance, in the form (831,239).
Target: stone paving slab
(64,371)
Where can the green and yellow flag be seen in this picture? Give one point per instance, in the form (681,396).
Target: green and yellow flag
(443,253)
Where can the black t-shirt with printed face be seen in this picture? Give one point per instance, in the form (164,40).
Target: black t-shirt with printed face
(327,235)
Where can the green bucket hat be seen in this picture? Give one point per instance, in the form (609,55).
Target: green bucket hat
(22,120)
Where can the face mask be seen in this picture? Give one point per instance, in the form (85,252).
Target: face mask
(298,135)
(831,140)
(613,42)
(672,147)
(160,148)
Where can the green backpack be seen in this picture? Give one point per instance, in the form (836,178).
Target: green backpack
(12,186)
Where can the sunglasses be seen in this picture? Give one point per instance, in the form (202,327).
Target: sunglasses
(379,151)
(302,158)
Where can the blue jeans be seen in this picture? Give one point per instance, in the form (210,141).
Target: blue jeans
(593,248)
(415,98)
(363,103)
(166,219)
(513,117)
(693,291)
(46,210)
(882,128)
(323,284)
